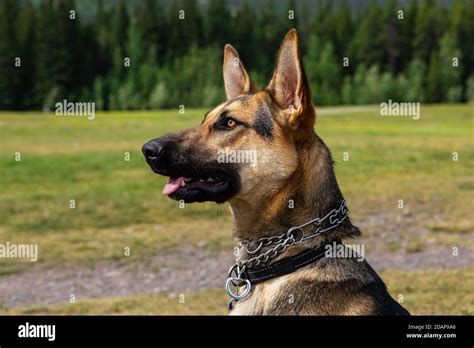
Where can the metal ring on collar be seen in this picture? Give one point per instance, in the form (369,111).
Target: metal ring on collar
(236,269)
(260,244)
(297,233)
(237,297)
(232,269)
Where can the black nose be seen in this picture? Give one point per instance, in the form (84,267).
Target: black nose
(152,150)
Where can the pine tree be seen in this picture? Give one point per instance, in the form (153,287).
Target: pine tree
(271,28)
(416,73)
(68,48)
(147,34)
(150,34)
(244,36)
(102,35)
(218,28)
(429,28)
(119,38)
(45,51)
(406,34)
(434,88)
(186,21)
(343,30)
(450,71)
(160,33)
(367,46)
(391,37)
(303,24)
(311,60)
(329,73)
(10,74)
(322,25)
(26,42)
(175,47)
(194,33)
(461,29)
(324,72)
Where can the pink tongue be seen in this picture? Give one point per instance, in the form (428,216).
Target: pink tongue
(172,185)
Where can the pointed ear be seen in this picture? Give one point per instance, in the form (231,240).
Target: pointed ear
(289,85)
(236,78)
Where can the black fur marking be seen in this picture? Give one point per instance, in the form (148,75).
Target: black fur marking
(207,113)
(263,124)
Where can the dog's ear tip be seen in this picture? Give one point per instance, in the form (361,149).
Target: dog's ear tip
(228,48)
(292,33)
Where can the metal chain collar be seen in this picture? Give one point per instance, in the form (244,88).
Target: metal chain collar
(294,235)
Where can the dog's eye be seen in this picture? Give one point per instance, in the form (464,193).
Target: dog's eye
(227,122)
(230,123)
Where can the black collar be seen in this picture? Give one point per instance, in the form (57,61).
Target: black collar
(246,279)
(243,274)
(288,264)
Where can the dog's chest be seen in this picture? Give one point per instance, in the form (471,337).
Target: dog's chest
(253,305)
(260,298)
(249,306)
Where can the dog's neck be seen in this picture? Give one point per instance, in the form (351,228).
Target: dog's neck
(311,192)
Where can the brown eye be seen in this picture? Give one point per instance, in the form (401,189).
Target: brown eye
(230,123)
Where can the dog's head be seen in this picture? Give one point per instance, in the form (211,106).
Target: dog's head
(248,145)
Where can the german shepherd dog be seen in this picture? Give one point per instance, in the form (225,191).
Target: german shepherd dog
(293,165)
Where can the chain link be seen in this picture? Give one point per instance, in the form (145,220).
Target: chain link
(286,239)
(263,242)
(269,254)
(236,272)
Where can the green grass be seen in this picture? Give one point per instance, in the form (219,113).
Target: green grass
(67,158)
(211,302)
(119,203)
(422,292)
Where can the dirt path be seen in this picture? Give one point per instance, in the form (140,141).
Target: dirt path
(190,268)
(179,270)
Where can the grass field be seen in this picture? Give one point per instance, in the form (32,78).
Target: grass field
(118,203)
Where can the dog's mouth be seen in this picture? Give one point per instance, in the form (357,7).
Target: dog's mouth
(193,184)
(216,188)
(190,179)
